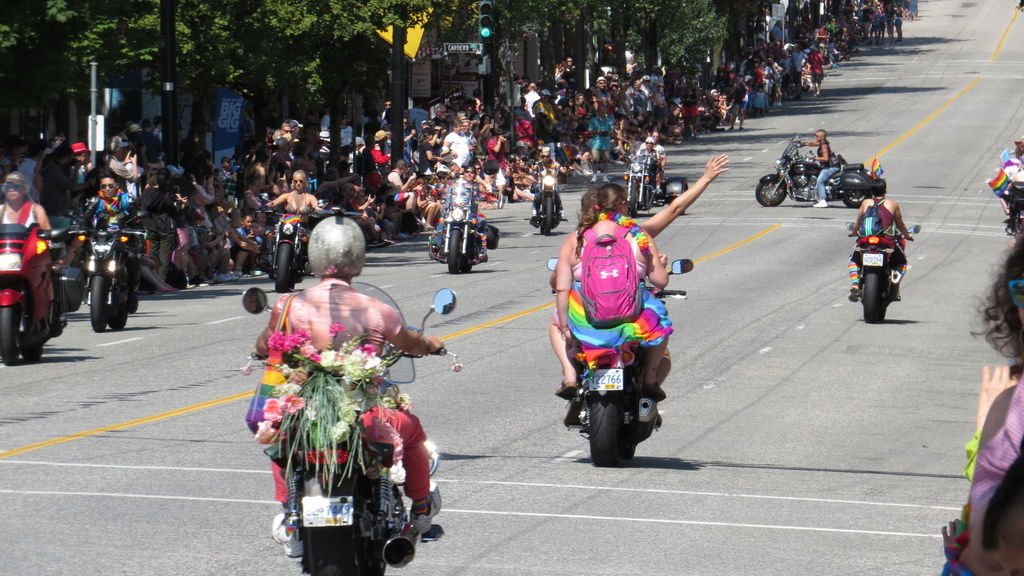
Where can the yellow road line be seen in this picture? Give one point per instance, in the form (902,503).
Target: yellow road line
(123,425)
(232,398)
(930,117)
(1002,39)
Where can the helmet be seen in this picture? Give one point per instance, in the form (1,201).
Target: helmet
(337,248)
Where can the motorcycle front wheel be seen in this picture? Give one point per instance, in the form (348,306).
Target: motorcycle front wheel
(455,254)
(770,193)
(10,323)
(871,298)
(330,551)
(634,200)
(549,210)
(605,424)
(283,269)
(99,292)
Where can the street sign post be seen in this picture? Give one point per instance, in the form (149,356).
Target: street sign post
(463,47)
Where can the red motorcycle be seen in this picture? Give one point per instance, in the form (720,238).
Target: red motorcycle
(29,313)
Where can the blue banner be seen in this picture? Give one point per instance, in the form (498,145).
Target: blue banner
(227,129)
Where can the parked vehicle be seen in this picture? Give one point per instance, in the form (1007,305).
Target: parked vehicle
(796,176)
(33,295)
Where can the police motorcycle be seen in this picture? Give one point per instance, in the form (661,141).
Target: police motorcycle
(610,409)
(463,236)
(111,246)
(353,520)
(796,176)
(880,257)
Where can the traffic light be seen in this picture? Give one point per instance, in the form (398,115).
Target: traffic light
(485,18)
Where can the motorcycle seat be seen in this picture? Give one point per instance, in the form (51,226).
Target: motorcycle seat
(55,235)
(853,167)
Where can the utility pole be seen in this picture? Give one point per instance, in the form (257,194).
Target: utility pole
(486,21)
(93,119)
(398,85)
(169,81)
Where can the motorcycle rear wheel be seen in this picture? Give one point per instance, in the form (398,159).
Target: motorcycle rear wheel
(283,275)
(455,254)
(605,426)
(871,298)
(853,199)
(330,551)
(10,323)
(99,292)
(546,220)
(770,194)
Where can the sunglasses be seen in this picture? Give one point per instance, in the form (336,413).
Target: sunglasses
(17,187)
(300,181)
(108,186)
(1017,292)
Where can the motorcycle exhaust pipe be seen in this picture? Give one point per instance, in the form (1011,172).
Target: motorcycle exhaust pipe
(648,410)
(401,550)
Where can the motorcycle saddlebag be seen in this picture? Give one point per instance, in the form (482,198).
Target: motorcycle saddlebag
(854,180)
(71,288)
(492,237)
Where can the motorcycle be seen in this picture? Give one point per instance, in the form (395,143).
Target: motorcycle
(609,409)
(112,271)
(640,186)
(289,254)
(879,274)
(547,186)
(30,304)
(355,522)
(465,237)
(1013,199)
(796,176)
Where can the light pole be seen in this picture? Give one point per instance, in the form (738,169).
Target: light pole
(93,95)
(169,81)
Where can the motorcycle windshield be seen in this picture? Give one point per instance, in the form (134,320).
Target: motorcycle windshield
(403,371)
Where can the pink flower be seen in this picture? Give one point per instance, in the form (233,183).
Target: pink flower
(368,349)
(336,328)
(272,410)
(266,433)
(308,350)
(278,342)
(291,403)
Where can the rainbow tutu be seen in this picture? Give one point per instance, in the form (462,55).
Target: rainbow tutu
(650,328)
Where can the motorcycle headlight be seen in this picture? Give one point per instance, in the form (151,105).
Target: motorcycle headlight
(549,181)
(112,266)
(779,163)
(100,249)
(288,229)
(457,214)
(10,261)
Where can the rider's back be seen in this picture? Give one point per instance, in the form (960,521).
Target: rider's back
(336,301)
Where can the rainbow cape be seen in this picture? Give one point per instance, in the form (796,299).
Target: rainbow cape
(1000,183)
(649,329)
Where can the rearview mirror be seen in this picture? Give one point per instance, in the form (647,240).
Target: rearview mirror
(682,266)
(849,226)
(444,301)
(552,264)
(914,229)
(254,300)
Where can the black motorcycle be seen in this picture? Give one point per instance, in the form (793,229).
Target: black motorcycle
(879,257)
(286,246)
(547,217)
(463,240)
(610,409)
(640,180)
(353,522)
(111,251)
(796,176)
(1014,200)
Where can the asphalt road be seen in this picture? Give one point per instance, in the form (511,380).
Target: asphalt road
(797,439)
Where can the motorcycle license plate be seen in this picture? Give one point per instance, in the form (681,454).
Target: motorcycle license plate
(319,511)
(874,259)
(608,379)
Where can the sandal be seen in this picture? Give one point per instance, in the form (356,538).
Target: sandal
(566,390)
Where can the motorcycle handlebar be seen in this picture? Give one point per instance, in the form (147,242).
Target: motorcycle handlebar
(667,293)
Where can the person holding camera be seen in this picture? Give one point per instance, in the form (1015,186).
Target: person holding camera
(600,128)
(430,147)
(164,201)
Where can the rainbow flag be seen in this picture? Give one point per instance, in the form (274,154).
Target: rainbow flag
(1000,183)
(876,169)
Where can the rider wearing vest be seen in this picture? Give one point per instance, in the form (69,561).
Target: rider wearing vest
(829,166)
(18,207)
(892,225)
